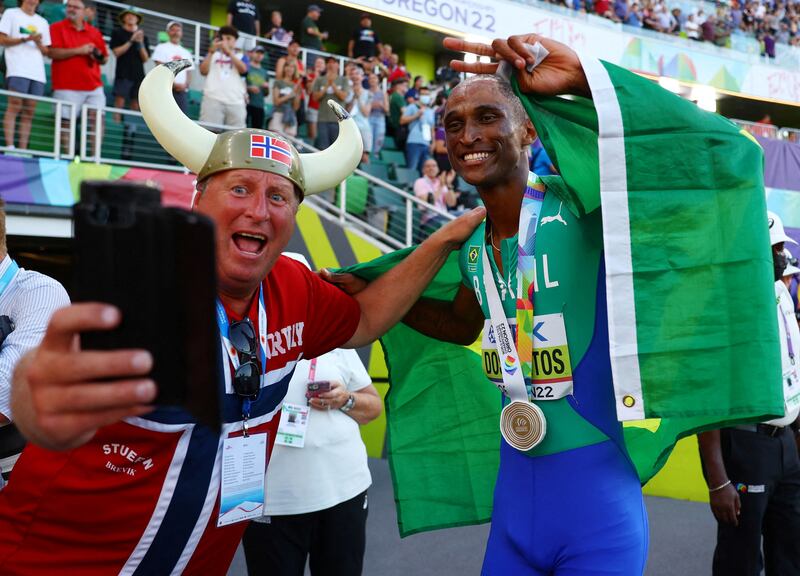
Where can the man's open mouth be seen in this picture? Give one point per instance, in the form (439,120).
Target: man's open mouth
(249,243)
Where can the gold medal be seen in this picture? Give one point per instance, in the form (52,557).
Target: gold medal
(522,424)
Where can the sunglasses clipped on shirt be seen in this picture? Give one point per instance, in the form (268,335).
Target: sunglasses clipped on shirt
(247,378)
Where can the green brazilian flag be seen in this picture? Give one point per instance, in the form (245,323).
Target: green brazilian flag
(691,308)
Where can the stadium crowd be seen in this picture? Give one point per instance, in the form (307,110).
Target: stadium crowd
(770,22)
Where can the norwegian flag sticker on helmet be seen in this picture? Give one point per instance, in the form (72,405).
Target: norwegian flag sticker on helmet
(262,146)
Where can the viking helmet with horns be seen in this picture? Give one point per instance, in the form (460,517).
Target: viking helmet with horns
(206,153)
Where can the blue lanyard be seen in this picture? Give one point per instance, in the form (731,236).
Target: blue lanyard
(8,276)
(224,332)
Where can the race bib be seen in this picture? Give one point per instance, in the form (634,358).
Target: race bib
(551,369)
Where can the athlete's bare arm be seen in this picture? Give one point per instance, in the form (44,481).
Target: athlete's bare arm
(458,321)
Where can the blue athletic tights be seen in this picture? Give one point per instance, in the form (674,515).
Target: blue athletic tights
(575,513)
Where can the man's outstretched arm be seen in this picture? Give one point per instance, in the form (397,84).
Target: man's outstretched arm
(389,298)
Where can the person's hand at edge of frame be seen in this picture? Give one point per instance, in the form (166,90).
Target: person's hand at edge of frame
(726,505)
(61,394)
(559,73)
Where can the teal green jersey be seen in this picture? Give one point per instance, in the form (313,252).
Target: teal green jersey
(568,257)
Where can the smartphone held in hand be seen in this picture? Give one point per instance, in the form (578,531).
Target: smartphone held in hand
(317,388)
(156,265)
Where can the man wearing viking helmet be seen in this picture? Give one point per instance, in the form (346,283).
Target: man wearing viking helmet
(111,485)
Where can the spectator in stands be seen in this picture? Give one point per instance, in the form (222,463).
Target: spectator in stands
(78,51)
(257,88)
(132,50)
(603,8)
(310,34)
(26,38)
(436,189)
(224,91)
(413,92)
(329,87)
(28,299)
(621,10)
(286,98)
(360,108)
(419,117)
(277,33)
(245,17)
(90,13)
(439,148)
(692,28)
(312,111)
(365,43)
(397,102)
(396,69)
(293,56)
(634,16)
(707,28)
(379,107)
(386,54)
(172,50)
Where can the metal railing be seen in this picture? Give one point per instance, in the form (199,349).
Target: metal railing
(121,136)
(400,211)
(53,126)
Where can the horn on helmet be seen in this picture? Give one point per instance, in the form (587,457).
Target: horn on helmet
(326,169)
(188,142)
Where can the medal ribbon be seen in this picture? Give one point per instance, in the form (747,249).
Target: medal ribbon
(515,356)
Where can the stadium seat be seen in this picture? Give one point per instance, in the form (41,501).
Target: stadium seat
(378,170)
(51,12)
(388,143)
(393,157)
(356,194)
(405,176)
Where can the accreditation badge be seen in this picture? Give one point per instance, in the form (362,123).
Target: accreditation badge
(293,425)
(244,465)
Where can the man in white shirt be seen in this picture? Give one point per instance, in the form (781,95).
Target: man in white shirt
(172,50)
(26,37)
(225,91)
(753,470)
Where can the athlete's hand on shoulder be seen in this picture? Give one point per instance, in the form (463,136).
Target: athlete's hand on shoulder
(456,232)
(559,73)
(61,394)
(347,283)
(726,505)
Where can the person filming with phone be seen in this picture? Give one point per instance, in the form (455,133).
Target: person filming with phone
(115,484)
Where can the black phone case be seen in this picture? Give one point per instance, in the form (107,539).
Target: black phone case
(156,265)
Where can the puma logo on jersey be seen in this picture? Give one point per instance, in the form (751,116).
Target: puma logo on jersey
(283,340)
(556,218)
